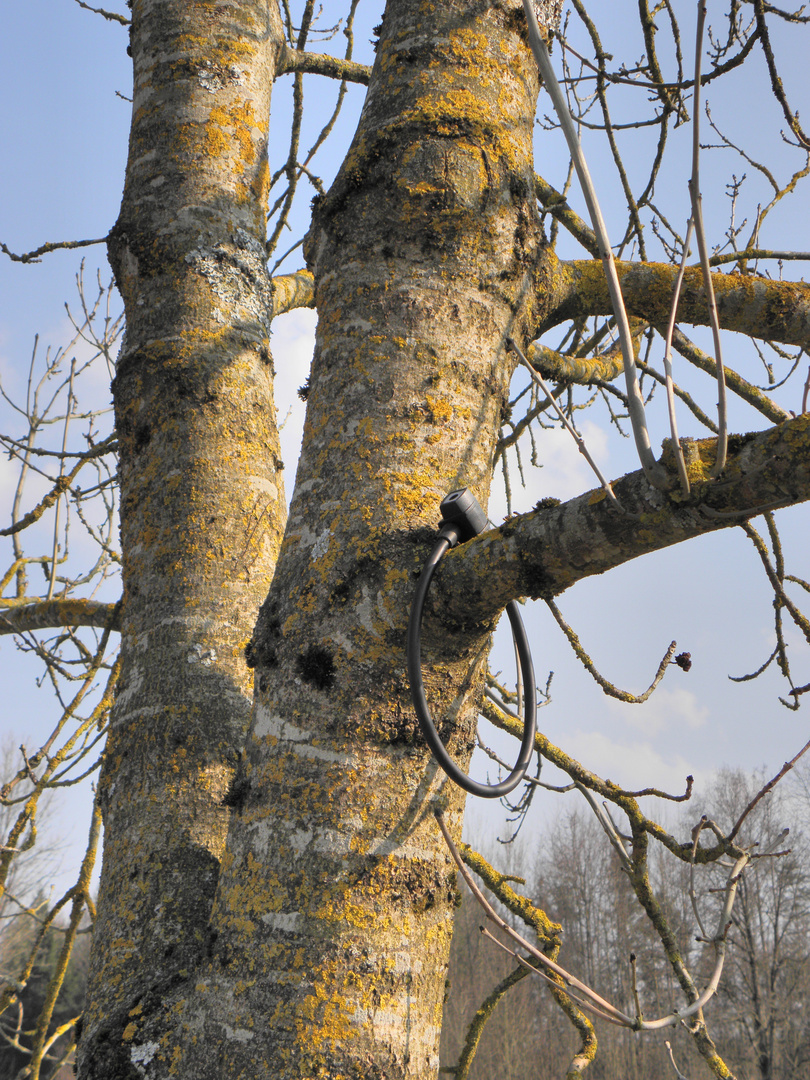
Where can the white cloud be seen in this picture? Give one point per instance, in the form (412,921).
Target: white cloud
(564,472)
(667,710)
(633,765)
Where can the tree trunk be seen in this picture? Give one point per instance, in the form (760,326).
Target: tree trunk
(308,935)
(202,503)
(334,911)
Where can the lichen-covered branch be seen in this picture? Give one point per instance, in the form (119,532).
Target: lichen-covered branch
(764,309)
(334,67)
(292,291)
(551,364)
(548,934)
(476,1028)
(545,552)
(42,614)
(588,664)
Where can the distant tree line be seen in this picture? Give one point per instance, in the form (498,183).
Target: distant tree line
(760,1019)
(41,991)
(20,936)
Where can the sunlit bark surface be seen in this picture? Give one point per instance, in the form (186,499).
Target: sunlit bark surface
(201,496)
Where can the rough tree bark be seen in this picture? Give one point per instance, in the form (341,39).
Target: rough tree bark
(202,503)
(312,940)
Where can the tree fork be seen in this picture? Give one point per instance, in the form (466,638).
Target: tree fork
(334,907)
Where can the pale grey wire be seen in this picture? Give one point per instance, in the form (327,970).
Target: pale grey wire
(697,214)
(652,470)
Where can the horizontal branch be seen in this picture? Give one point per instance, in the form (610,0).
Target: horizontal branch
(44,249)
(322,64)
(551,364)
(770,310)
(293,291)
(545,552)
(753,254)
(50,614)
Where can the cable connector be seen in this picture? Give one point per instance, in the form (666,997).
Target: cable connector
(462,517)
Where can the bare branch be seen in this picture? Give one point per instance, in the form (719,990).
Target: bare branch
(678,1074)
(635,403)
(62,484)
(590,667)
(703,248)
(766,788)
(741,387)
(776,82)
(752,254)
(111,16)
(44,249)
(47,614)
(538,378)
(581,991)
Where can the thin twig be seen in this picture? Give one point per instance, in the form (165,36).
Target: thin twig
(587,663)
(771,784)
(56,517)
(44,249)
(678,1074)
(652,470)
(583,994)
(538,378)
(670,386)
(570,980)
(111,16)
(703,248)
(692,892)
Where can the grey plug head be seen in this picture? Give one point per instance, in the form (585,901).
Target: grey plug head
(462,509)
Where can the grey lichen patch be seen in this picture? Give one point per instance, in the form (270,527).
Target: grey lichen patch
(140,1056)
(237,276)
(213,76)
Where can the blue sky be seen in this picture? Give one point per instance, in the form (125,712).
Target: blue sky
(64,133)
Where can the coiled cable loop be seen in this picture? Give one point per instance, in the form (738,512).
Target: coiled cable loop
(462,519)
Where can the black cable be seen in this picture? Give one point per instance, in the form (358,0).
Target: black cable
(463,519)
